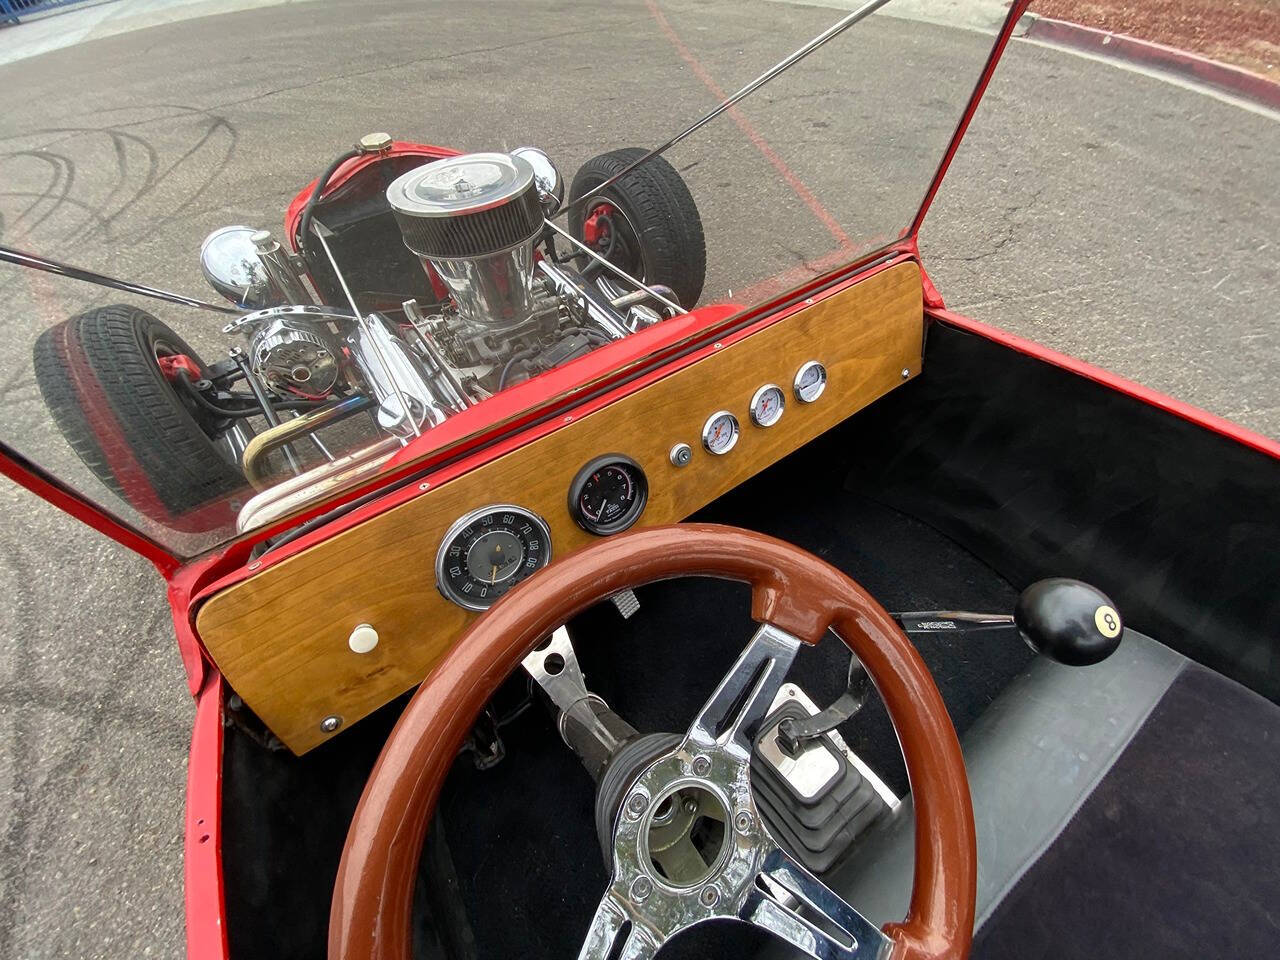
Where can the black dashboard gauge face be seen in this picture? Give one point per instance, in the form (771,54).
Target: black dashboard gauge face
(488,551)
(608,494)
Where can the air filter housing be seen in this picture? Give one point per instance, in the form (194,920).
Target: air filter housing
(475,219)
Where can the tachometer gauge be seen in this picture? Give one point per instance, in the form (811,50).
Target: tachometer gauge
(608,494)
(767,404)
(811,380)
(488,551)
(720,432)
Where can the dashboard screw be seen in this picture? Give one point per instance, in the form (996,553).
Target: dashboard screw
(636,805)
(331,723)
(709,896)
(742,822)
(906,372)
(701,766)
(641,889)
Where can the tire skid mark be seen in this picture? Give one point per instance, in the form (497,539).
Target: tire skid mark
(213,147)
(62,179)
(55,698)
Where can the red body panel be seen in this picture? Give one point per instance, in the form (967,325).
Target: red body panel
(399,148)
(202,832)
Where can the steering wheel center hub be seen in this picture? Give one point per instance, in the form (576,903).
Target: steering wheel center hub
(683,834)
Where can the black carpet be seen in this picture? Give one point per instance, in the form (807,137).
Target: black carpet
(1175,855)
(1043,473)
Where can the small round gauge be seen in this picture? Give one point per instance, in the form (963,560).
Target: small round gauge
(767,404)
(488,551)
(720,432)
(811,380)
(608,494)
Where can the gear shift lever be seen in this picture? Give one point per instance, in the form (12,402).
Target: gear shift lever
(1065,620)
(1062,619)
(1068,621)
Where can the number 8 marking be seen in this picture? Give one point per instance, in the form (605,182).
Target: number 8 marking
(1107,621)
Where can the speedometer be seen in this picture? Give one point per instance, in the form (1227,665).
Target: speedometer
(488,551)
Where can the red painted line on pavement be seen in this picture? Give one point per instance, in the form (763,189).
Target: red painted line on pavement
(757,139)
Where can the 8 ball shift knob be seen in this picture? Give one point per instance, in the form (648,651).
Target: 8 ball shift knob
(1068,621)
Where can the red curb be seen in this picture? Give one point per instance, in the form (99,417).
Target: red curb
(1118,46)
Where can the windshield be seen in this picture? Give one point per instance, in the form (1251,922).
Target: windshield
(367,215)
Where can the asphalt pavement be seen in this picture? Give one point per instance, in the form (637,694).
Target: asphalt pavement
(1106,213)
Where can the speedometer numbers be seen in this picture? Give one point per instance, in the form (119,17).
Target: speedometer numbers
(608,494)
(488,551)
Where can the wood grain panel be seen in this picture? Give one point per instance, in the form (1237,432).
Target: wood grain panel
(280,637)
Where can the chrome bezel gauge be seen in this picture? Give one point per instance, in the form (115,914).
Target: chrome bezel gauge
(523,525)
(769,419)
(810,393)
(635,494)
(712,442)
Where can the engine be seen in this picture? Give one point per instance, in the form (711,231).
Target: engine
(512,306)
(475,221)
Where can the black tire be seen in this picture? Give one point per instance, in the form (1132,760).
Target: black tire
(656,200)
(101,381)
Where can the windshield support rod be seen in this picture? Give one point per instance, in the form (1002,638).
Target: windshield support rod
(651,291)
(10,255)
(837,28)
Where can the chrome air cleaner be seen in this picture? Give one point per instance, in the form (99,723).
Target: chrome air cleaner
(474,218)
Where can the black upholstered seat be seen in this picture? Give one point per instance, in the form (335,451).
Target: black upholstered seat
(1125,810)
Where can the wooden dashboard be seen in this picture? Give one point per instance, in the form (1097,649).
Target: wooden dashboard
(281,637)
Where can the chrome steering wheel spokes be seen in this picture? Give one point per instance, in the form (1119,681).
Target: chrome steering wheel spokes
(664,882)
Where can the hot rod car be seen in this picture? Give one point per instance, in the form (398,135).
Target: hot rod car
(533,608)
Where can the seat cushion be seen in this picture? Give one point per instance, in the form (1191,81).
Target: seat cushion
(1032,759)
(1175,854)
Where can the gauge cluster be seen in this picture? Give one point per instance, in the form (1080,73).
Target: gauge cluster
(490,550)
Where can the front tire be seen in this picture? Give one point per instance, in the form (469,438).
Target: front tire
(100,378)
(658,238)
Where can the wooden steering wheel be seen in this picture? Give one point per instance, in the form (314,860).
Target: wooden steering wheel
(796,597)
